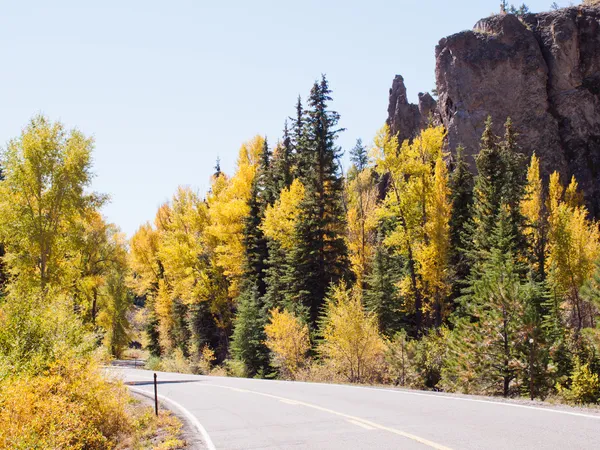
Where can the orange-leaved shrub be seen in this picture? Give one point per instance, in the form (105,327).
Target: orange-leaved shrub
(68,406)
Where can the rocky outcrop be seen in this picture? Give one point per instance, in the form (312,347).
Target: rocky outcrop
(542,71)
(404,119)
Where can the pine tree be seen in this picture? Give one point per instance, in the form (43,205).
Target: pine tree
(486,350)
(248,339)
(381,293)
(320,256)
(359,156)
(461,188)
(283,159)
(298,141)
(255,243)
(499,185)
(248,336)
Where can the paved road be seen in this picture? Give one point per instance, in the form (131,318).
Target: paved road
(260,414)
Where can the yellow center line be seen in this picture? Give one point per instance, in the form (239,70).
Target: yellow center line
(346,416)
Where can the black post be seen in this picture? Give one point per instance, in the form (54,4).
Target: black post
(155,397)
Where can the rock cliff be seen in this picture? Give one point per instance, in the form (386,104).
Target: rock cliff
(542,70)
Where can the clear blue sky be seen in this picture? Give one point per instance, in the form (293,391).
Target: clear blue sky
(167,86)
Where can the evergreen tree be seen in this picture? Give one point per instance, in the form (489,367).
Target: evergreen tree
(298,141)
(499,185)
(152,333)
(204,331)
(248,340)
(320,257)
(255,243)
(487,352)
(461,188)
(279,226)
(283,163)
(381,294)
(359,156)
(248,336)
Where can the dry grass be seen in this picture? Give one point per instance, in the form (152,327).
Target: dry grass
(151,432)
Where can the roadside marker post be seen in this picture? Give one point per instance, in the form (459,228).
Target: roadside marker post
(155,396)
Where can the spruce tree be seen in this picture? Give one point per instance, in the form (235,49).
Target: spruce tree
(262,195)
(247,344)
(461,188)
(487,352)
(298,141)
(499,185)
(320,257)
(282,173)
(381,294)
(359,156)
(248,336)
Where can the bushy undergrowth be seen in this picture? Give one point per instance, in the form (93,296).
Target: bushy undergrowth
(68,406)
(52,392)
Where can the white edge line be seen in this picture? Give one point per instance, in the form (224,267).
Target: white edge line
(548,408)
(475,400)
(384,389)
(189,416)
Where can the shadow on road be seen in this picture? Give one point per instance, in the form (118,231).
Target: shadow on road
(147,382)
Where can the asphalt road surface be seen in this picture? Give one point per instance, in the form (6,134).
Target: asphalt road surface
(259,414)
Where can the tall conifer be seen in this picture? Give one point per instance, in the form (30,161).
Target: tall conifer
(321,256)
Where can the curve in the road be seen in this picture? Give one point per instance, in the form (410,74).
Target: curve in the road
(353,419)
(188,415)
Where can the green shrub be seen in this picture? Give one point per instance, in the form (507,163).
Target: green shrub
(154,363)
(585,385)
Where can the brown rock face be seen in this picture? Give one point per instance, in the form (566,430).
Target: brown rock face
(404,119)
(542,71)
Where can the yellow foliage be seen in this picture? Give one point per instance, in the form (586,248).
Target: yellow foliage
(46,172)
(143,260)
(573,245)
(351,341)
(182,239)
(433,255)
(228,208)
(281,218)
(418,203)
(532,208)
(70,406)
(362,222)
(287,338)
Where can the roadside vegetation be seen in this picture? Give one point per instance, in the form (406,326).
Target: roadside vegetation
(64,304)
(407,269)
(475,272)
